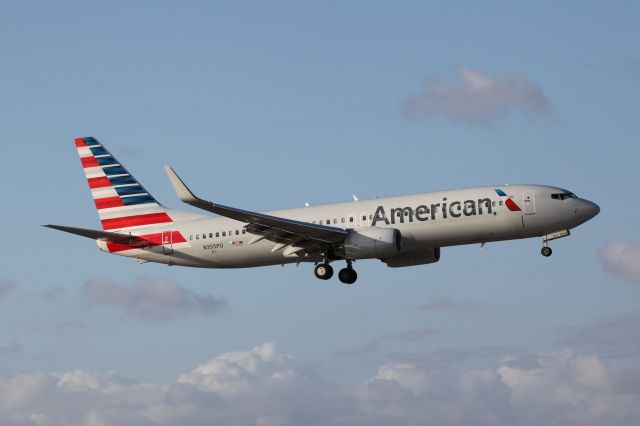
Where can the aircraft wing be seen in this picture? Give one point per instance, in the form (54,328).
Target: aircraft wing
(272,228)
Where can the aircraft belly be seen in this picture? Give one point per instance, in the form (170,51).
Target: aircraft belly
(245,256)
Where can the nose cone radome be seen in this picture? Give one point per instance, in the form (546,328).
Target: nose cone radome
(584,210)
(589,210)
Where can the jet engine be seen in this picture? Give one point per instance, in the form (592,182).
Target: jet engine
(372,242)
(412,258)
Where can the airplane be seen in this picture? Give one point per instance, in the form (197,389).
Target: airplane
(400,231)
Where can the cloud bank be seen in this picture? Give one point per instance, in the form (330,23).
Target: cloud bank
(478,98)
(151,298)
(265,386)
(622,258)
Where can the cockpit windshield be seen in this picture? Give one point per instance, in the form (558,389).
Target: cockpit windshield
(563,195)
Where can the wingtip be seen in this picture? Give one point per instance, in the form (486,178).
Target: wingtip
(181,189)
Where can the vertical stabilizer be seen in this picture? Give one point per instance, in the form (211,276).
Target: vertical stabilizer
(121,201)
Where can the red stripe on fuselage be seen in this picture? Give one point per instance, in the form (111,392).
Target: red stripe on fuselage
(99,182)
(151,240)
(80,142)
(138,220)
(89,162)
(105,203)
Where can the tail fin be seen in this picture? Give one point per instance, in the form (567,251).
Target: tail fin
(121,201)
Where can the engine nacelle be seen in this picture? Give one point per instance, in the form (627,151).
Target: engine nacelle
(372,242)
(412,258)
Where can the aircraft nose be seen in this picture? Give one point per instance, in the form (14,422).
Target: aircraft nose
(588,209)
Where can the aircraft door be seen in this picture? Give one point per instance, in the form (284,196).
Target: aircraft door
(528,199)
(167,242)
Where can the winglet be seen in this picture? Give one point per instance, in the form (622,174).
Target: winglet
(182,191)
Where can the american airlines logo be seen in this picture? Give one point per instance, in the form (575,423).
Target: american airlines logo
(443,210)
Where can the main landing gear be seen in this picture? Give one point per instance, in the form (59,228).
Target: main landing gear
(347,275)
(546,251)
(324,271)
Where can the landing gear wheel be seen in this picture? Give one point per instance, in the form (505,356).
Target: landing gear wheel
(347,275)
(324,271)
(546,251)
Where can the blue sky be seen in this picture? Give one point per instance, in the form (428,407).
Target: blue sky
(273,104)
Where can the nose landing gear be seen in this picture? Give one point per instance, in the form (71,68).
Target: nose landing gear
(546,250)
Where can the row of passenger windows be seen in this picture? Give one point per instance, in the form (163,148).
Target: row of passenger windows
(217,234)
(342,220)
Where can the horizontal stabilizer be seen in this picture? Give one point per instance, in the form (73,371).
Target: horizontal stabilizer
(95,235)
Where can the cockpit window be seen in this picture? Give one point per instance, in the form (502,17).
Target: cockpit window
(563,195)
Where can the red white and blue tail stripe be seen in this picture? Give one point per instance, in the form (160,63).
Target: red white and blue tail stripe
(122,202)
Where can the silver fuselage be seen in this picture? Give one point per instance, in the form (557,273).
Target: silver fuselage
(425,221)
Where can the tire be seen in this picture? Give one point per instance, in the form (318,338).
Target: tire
(546,251)
(323,271)
(347,276)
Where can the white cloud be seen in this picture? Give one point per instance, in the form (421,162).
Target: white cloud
(404,376)
(478,98)
(152,298)
(622,258)
(264,386)
(234,372)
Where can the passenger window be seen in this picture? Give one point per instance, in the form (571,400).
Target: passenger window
(244,231)
(217,235)
(364,218)
(371,216)
(335,221)
(210,234)
(224,234)
(501,202)
(493,203)
(343,221)
(351,219)
(237,232)
(328,221)
(190,237)
(197,237)
(204,236)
